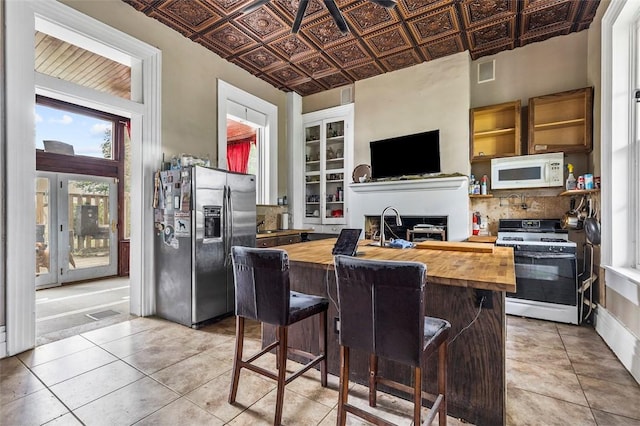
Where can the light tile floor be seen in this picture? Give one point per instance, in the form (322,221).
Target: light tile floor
(148,371)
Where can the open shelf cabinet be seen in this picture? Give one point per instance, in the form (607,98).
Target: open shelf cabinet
(561,122)
(494,131)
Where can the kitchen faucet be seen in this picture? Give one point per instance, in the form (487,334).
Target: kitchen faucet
(258,225)
(398,222)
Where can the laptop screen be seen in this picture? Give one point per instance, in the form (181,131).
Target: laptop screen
(347,243)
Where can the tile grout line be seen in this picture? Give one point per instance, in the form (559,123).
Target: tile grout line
(52,393)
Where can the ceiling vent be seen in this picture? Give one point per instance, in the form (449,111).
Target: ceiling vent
(487,71)
(346,95)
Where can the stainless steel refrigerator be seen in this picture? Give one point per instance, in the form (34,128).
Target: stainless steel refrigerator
(200,213)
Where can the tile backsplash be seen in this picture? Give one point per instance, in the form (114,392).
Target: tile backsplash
(271,215)
(519,206)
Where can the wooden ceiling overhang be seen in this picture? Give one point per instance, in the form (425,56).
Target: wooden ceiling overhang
(380,40)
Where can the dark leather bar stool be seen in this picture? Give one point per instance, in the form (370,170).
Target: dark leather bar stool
(263,294)
(382,313)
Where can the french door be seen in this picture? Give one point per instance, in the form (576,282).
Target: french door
(76,228)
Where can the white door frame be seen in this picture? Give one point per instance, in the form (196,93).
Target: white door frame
(21,20)
(229,95)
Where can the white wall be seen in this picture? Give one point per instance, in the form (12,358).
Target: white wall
(432,95)
(537,69)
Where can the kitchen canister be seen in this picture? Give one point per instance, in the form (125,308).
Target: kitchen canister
(284,221)
(588,181)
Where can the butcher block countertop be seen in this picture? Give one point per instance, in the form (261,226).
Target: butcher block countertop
(476,269)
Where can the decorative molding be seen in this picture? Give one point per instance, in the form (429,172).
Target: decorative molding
(625,282)
(624,344)
(434,184)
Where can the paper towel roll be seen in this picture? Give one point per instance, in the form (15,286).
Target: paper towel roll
(284,221)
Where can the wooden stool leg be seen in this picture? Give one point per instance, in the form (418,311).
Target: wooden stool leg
(236,359)
(442,383)
(282,372)
(417,395)
(322,345)
(373,376)
(343,392)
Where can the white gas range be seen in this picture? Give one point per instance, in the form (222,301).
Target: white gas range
(546,269)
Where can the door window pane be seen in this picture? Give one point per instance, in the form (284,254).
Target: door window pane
(89,223)
(42,226)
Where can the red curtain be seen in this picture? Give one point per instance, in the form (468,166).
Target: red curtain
(238,155)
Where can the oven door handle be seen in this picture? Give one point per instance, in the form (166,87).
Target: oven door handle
(538,255)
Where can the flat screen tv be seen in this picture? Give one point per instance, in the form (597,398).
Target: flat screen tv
(417,154)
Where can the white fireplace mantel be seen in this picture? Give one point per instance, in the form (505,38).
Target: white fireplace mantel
(438,184)
(447,196)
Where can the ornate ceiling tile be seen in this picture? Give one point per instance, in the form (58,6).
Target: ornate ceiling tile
(244,65)
(478,12)
(195,15)
(444,47)
(262,59)
(290,8)
(172,23)
(228,6)
(139,5)
(434,25)
(288,76)
(308,88)
(498,33)
(366,17)
(365,71)
(349,55)
(475,54)
(380,40)
(264,24)
(536,36)
(388,41)
(335,80)
(292,47)
(317,66)
(550,18)
(401,60)
(228,38)
(324,33)
(272,82)
(411,8)
(588,11)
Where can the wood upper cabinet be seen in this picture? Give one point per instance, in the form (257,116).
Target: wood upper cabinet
(561,122)
(494,131)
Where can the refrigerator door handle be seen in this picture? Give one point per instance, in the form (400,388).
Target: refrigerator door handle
(227,225)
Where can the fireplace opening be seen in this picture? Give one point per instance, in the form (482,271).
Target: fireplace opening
(413,228)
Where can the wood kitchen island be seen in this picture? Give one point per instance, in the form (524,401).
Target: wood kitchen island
(456,282)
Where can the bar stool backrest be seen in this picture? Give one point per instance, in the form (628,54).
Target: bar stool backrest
(382,307)
(261,279)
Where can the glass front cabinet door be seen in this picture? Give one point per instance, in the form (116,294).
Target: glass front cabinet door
(326,169)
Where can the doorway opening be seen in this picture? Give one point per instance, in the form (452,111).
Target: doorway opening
(82,218)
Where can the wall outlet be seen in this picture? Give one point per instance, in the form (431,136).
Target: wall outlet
(488,298)
(336,325)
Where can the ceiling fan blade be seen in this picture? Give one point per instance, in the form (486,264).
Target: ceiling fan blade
(337,16)
(253,6)
(385,3)
(302,8)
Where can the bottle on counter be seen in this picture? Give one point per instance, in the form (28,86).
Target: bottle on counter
(472,181)
(483,185)
(571,180)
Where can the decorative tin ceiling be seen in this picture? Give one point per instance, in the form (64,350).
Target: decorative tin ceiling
(380,40)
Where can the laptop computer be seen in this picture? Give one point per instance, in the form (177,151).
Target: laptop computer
(347,243)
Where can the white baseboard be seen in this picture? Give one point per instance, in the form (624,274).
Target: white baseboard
(622,342)
(3,342)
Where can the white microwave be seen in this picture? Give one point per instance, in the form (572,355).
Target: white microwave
(528,171)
